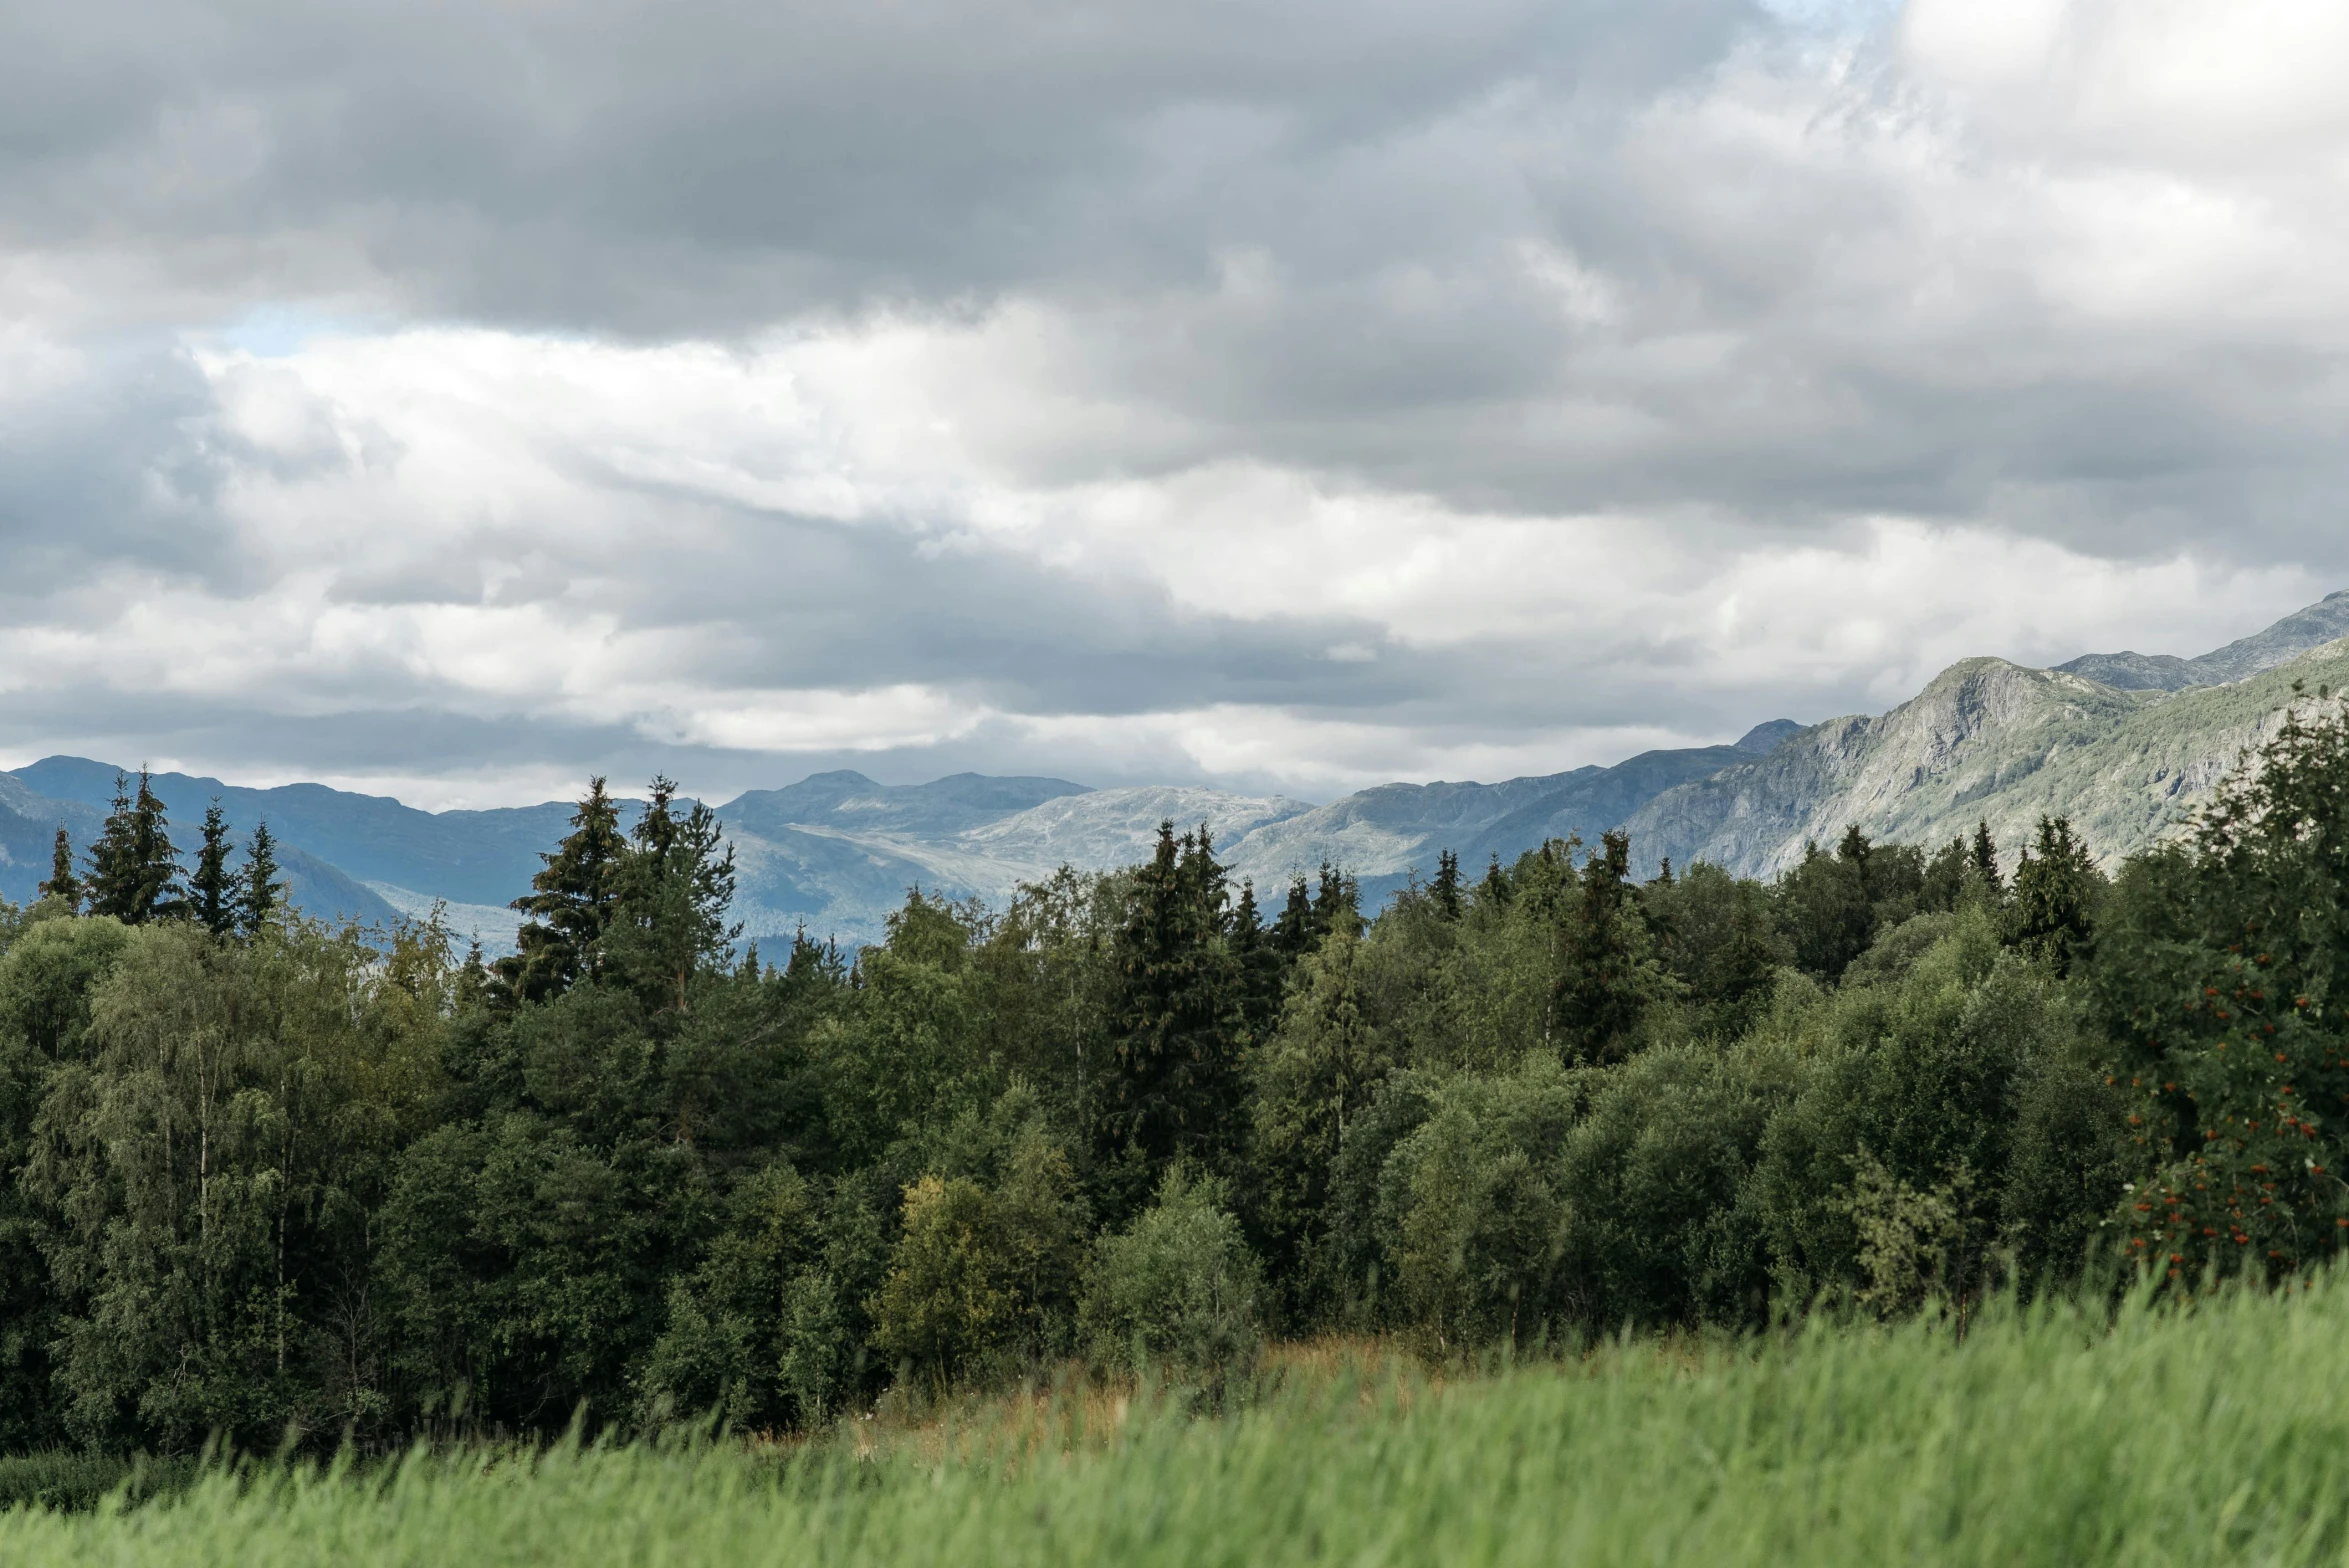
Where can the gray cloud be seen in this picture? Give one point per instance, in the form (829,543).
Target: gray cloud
(1734,290)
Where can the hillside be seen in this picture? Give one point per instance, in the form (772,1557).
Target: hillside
(1985,741)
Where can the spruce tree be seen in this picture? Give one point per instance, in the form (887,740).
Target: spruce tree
(63,885)
(2055,895)
(1293,932)
(1986,859)
(1605,979)
(671,889)
(1259,962)
(1445,893)
(1179,1021)
(214,891)
(1337,904)
(1493,891)
(260,894)
(134,870)
(570,905)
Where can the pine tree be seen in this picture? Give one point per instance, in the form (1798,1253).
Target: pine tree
(260,893)
(63,885)
(214,891)
(1445,893)
(571,904)
(134,870)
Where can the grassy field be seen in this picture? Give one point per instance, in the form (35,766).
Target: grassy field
(2215,1434)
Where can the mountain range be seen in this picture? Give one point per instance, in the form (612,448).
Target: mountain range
(2123,743)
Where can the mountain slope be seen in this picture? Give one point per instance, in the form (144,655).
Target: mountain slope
(28,826)
(1985,741)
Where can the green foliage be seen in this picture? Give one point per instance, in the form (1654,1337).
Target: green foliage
(983,1277)
(1177,1288)
(214,892)
(1178,1013)
(1718,937)
(2055,896)
(63,885)
(1606,978)
(261,892)
(2219,965)
(1471,1216)
(570,904)
(1317,1072)
(211,1158)
(134,870)
(264,1177)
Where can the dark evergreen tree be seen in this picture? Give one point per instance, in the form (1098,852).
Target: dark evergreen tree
(1444,893)
(1494,890)
(134,869)
(570,905)
(1294,933)
(1986,860)
(1948,877)
(2054,896)
(1605,980)
(1179,1022)
(1337,904)
(671,890)
(1259,963)
(63,885)
(213,892)
(260,890)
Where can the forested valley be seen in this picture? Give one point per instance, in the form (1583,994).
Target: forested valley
(266,1178)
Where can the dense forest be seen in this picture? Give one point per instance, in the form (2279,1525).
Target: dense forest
(264,1175)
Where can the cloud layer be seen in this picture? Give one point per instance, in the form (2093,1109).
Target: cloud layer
(456,400)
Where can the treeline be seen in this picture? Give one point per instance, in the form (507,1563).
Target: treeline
(264,1174)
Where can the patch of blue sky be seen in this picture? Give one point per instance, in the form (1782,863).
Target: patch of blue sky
(1835,18)
(277,331)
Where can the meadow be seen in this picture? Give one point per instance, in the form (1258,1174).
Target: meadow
(2153,1434)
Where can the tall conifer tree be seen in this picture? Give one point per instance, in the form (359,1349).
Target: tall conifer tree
(1179,1015)
(63,885)
(1986,859)
(1445,893)
(134,870)
(671,889)
(260,891)
(571,903)
(1605,980)
(213,890)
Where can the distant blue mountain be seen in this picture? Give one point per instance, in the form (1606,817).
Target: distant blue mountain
(836,851)
(468,857)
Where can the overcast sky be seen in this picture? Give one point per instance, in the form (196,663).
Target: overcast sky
(450,400)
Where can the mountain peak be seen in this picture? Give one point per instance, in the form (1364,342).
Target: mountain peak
(2311,626)
(1768,736)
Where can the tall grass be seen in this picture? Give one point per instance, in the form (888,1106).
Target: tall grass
(2051,1435)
